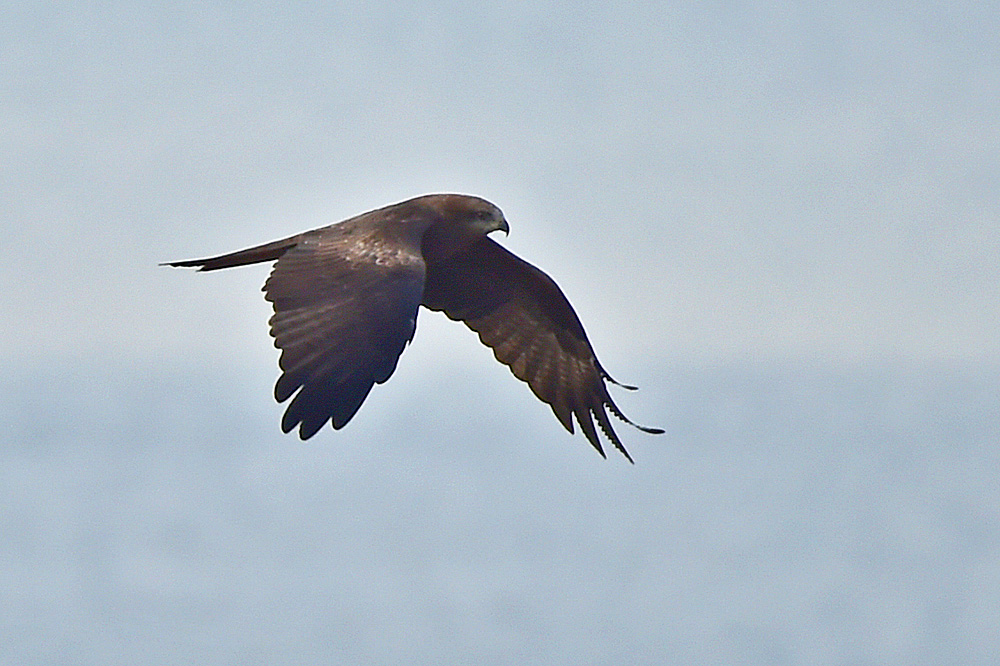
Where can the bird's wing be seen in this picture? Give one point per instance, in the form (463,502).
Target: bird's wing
(521,313)
(345,306)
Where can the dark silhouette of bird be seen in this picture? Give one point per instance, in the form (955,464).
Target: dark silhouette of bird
(346,297)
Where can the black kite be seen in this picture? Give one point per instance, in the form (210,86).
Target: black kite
(345,305)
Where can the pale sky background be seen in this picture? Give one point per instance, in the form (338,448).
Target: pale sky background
(730,180)
(780,220)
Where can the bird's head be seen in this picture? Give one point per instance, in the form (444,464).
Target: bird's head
(477,215)
(459,220)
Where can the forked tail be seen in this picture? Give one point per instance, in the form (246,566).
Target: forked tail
(253,255)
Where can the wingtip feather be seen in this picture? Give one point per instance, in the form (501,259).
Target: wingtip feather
(618,413)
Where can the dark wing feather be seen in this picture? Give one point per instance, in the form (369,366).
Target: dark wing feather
(521,313)
(345,306)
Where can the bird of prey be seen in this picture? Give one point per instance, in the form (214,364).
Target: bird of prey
(346,297)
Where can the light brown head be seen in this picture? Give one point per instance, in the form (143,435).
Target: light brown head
(460,220)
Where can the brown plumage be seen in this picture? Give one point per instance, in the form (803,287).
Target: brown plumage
(345,305)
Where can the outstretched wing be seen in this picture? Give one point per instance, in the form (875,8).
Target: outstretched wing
(521,313)
(345,306)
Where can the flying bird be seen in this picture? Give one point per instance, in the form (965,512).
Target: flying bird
(346,297)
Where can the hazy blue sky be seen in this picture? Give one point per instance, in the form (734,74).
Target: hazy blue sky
(796,180)
(780,220)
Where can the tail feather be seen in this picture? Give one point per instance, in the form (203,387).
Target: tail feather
(253,255)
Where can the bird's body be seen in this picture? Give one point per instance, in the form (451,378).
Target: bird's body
(346,298)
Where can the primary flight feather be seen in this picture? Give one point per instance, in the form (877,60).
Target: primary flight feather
(345,303)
